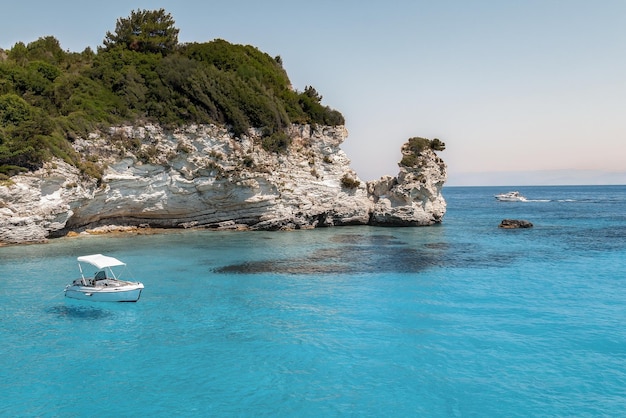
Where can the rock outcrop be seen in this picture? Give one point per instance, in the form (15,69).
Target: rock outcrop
(515,224)
(413,198)
(202,176)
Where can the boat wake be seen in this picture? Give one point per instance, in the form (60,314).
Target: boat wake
(550,200)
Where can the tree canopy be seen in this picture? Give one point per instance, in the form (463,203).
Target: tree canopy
(144,31)
(49,97)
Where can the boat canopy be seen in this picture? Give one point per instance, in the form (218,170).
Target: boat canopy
(100,261)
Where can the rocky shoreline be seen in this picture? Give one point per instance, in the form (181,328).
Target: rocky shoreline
(200,176)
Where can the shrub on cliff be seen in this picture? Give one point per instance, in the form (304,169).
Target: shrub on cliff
(277,142)
(27,137)
(415,146)
(142,73)
(349,182)
(437,145)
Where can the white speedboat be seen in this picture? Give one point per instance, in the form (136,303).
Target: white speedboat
(105,284)
(510,197)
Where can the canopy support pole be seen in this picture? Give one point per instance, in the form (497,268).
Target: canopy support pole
(82,276)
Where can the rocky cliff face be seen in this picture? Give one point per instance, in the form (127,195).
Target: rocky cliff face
(413,198)
(201,176)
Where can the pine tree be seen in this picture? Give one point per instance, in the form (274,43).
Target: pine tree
(144,31)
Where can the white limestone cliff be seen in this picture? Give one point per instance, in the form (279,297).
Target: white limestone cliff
(413,198)
(201,176)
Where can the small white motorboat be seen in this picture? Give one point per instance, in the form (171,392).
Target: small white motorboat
(105,285)
(510,197)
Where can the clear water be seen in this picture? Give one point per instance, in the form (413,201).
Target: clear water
(461,319)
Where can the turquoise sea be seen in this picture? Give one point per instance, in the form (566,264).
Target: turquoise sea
(461,319)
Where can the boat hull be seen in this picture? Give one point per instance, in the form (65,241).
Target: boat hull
(123,294)
(510,199)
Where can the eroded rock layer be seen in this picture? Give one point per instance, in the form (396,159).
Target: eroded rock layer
(202,176)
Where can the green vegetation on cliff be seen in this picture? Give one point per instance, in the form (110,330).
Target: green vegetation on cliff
(49,97)
(415,146)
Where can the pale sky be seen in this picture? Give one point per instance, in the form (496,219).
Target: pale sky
(522,92)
